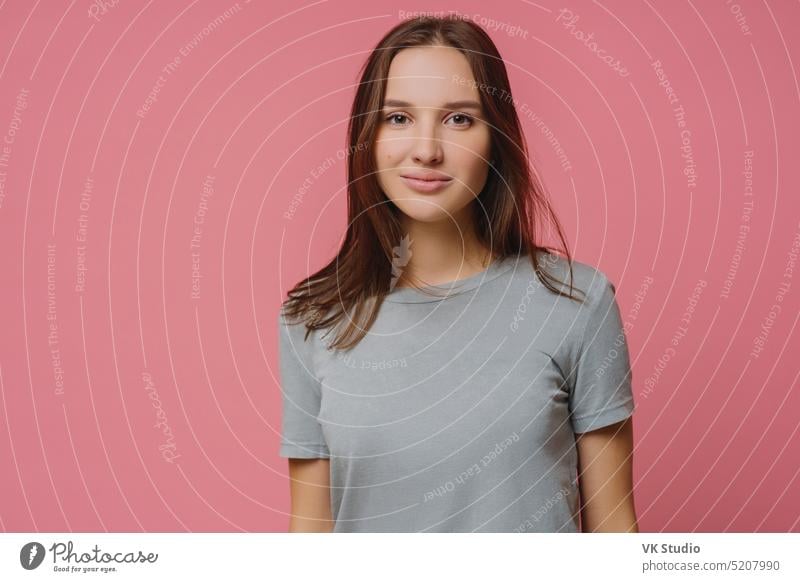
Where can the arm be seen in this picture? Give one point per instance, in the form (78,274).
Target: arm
(605,471)
(310,492)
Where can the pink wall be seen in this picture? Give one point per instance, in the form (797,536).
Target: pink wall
(99,314)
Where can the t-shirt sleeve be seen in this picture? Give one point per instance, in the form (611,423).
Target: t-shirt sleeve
(601,392)
(301,432)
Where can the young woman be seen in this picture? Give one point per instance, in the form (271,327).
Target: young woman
(439,374)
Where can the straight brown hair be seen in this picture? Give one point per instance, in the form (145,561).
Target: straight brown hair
(347,293)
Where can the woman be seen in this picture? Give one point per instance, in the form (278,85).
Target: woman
(438,374)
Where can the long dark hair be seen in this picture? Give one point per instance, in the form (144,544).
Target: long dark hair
(347,293)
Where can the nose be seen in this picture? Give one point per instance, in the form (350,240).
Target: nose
(427,147)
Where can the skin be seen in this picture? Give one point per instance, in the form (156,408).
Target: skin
(310,495)
(429,124)
(424,133)
(605,473)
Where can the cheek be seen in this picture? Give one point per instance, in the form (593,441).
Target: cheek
(479,146)
(473,158)
(387,152)
(386,158)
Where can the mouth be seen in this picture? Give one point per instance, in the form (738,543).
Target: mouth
(421,185)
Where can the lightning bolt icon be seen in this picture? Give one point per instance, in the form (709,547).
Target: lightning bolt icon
(34,551)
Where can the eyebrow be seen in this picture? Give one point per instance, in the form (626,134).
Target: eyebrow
(464,104)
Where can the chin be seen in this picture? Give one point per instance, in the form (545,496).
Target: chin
(425,209)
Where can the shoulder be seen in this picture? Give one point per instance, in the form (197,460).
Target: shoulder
(294,331)
(293,328)
(596,299)
(589,281)
(285,321)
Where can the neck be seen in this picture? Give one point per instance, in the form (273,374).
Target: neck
(443,251)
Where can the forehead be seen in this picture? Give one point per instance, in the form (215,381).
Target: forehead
(430,76)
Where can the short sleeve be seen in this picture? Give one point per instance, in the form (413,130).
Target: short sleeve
(601,392)
(301,433)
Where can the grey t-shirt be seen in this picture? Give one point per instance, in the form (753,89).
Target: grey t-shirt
(459,413)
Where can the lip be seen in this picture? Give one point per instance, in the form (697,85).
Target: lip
(421,183)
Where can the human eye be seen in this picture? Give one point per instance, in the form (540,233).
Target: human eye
(394,116)
(461,120)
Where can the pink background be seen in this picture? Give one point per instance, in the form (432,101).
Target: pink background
(259,100)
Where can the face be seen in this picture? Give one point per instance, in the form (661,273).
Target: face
(432,148)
